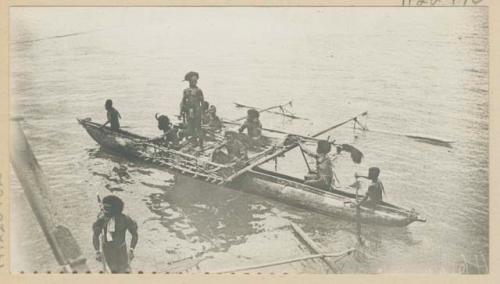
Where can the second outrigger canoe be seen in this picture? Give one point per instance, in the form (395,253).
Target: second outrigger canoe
(284,188)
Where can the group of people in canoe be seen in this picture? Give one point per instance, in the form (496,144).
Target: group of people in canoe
(200,122)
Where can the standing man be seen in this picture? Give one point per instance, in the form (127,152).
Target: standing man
(109,236)
(192,107)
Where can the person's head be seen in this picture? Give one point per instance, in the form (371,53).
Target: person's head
(192,77)
(212,109)
(252,114)
(324,147)
(163,122)
(373,173)
(205,105)
(230,135)
(109,104)
(112,205)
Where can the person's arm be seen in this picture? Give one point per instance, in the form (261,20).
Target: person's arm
(202,98)
(119,115)
(367,195)
(307,151)
(107,121)
(363,200)
(97,228)
(183,101)
(132,228)
(243,127)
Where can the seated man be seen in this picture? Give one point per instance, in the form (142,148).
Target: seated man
(214,121)
(170,135)
(205,118)
(253,126)
(322,177)
(236,150)
(373,195)
(113,116)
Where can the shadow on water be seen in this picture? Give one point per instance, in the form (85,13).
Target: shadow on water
(221,216)
(193,210)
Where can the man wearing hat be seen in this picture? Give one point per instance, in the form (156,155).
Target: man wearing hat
(375,190)
(323,176)
(192,107)
(109,236)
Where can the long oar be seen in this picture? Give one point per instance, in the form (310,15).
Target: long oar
(305,160)
(265,109)
(356,155)
(289,115)
(287,149)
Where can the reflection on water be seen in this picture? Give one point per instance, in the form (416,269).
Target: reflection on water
(405,66)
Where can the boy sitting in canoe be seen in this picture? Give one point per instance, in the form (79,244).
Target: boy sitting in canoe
(205,119)
(375,190)
(113,115)
(236,151)
(170,135)
(253,126)
(323,176)
(214,121)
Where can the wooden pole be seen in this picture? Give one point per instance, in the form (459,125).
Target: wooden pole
(312,256)
(313,246)
(264,110)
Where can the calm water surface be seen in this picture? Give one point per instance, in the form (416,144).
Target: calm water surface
(415,70)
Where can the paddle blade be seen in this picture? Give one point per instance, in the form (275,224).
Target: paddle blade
(356,155)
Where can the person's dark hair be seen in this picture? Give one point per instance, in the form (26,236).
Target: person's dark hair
(324,147)
(205,105)
(163,122)
(253,113)
(109,103)
(190,74)
(373,173)
(115,202)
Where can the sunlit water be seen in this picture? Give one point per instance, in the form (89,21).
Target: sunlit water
(419,71)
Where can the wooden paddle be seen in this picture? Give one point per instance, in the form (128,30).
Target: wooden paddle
(289,114)
(265,109)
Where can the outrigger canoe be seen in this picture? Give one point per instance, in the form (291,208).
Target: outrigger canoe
(257,180)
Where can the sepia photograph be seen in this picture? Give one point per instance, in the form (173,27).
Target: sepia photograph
(262,140)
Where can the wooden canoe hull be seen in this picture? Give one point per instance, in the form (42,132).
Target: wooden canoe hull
(274,185)
(337,204)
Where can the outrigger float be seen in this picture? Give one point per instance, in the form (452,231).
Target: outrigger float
(251,178)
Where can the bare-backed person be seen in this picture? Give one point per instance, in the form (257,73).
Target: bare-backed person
(375,190)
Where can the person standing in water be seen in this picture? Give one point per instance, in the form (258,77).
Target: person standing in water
(192,107)
(113,116)
(109,236)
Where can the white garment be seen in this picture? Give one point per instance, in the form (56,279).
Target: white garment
(110,228)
